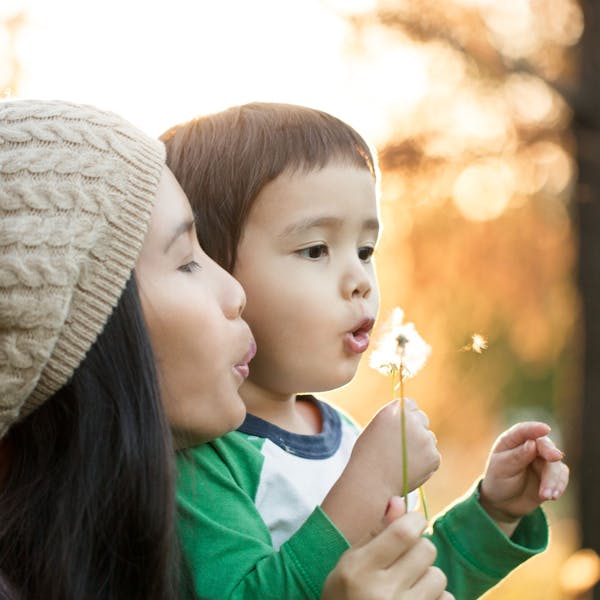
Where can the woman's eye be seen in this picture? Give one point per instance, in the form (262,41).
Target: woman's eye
(365,253)
(314,252)
(190,267)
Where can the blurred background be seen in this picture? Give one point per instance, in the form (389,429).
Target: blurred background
(485,117)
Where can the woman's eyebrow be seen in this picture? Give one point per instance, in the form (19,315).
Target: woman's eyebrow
(182,228)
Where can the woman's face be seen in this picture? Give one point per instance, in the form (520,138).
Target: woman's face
(192,309)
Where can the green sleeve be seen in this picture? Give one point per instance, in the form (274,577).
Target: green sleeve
(475,554)
(226,546)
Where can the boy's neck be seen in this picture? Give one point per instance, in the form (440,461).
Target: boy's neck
(282,410)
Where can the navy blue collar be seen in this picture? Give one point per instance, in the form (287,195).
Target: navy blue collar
(318,446)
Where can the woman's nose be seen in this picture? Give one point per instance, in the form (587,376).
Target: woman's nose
(233,296)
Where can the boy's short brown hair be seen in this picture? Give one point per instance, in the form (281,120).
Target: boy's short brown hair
(223,161)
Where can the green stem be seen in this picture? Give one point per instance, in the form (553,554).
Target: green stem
(404,448)
(424,502)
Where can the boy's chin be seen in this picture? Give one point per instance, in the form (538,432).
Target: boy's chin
(334,381)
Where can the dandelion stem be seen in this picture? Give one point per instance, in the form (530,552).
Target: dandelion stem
(403,428)
(424,502)
(404,447)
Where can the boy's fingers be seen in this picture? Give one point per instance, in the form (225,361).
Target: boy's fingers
(553,481)
(547,450)
(514,461)
(410,404)
(520,433)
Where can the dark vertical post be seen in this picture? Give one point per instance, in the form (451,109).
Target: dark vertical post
(587,216)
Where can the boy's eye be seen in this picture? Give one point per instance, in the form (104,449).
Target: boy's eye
(314,252)
(365,253)
(190,267)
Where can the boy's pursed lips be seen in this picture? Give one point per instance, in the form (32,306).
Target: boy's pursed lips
(356,341)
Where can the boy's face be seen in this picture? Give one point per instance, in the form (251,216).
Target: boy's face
(305,263)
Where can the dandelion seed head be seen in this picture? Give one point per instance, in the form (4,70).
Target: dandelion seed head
(402,340)
(400,348)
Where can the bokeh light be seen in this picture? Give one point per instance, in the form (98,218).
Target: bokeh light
(580,572)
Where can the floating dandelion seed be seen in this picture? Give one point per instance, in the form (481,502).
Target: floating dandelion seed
(401,352)
(478,344)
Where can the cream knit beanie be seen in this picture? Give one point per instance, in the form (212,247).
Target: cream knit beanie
(77,186)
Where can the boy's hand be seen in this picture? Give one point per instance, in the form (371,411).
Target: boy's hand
(380,446)
(524,469)
(374,472)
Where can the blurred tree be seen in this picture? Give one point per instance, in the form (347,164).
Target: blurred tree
(587,128)
(478,173)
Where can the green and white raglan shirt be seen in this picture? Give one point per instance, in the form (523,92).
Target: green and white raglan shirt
(250,524)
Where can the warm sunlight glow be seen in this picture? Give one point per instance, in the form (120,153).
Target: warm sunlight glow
(159,63)
(580,572)
(553,167)
(388,79)
(351,7)
(483,190)
(532,101)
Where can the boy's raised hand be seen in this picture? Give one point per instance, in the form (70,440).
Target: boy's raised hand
(524,469)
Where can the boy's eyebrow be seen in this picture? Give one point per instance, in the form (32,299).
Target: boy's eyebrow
(371,225)
(184,227)
(315,222)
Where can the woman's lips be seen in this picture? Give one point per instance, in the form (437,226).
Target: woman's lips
(243,367)
(357,340)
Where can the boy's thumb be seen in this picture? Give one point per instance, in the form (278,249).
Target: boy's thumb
(394,510)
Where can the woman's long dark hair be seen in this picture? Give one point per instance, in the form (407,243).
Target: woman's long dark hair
(87,504)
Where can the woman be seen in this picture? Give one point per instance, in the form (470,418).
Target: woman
(118,339)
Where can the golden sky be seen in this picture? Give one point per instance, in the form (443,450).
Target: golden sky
(160,62)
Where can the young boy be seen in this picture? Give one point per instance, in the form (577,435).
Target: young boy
(285,199)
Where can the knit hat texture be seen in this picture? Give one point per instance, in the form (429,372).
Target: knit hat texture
(77,186)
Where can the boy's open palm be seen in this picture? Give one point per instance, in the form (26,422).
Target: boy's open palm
(524,469)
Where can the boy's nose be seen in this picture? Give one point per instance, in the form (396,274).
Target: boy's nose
(363,288)
(357,283)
